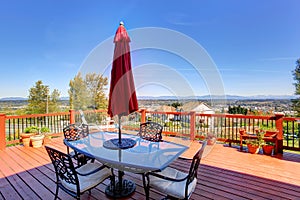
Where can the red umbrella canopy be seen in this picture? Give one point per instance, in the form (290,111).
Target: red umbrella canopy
(122,96)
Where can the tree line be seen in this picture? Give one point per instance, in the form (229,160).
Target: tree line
(84,93)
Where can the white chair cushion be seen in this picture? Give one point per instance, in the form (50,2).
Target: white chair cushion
(175,189)
(90,181)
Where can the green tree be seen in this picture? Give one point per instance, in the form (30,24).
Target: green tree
(296,74)
(53,104)
(237,110)
(39,100)
(96,86)
(175,104)
(78,93)
(88,92)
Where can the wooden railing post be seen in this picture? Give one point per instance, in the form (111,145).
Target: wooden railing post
(192,125)
(2,132)
(279,126)
(143,115)
(72,116)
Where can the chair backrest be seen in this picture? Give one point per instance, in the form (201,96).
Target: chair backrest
(73,132)
(151,131)
(195,164)
(64,167)
(84,130)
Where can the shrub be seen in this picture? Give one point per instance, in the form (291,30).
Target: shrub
(32,129)
(168,124)
(45,129)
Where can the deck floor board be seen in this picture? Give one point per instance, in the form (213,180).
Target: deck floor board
(225,173)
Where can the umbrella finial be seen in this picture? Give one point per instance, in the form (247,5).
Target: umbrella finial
(122,23)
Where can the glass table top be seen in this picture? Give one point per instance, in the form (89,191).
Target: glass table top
(143,157)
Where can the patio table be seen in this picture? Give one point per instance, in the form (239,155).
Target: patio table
(144,157)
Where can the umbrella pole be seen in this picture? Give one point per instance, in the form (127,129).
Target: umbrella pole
(122,188)
(120,141)
(120,173)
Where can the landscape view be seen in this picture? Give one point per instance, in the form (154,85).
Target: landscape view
(263,105)
(160,99)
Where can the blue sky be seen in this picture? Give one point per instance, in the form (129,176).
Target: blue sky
(254,44)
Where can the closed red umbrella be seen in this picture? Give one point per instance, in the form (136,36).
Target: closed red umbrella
(122,97)
(122,102)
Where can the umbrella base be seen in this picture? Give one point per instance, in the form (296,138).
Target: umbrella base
(126,188)
(114,143)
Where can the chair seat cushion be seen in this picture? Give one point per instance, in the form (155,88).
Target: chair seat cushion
(89,181)
(172,188)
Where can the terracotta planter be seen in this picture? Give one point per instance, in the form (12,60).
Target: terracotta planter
(268,149)
(47,139)
(37,140)
(253,148)
(26,138)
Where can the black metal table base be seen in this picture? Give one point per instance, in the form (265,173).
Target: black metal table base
(118,191)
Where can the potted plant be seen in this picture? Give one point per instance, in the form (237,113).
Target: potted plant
(255,144)
(28,132)
(46,132)
(268,148)
(211,139)
(37,140)
(269,131)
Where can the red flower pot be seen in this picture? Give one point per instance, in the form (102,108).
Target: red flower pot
(253,148)
(267,149)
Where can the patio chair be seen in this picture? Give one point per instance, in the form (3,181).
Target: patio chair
(73,132)
(92,126)
(76,181)
(172,182)
(151,131)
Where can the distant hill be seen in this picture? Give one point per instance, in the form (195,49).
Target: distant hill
(204,97)
(64,98)
(25,99)
(13,99)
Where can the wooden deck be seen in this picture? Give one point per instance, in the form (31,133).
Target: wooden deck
(224,173)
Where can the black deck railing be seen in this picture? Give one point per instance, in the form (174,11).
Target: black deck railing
(15,125)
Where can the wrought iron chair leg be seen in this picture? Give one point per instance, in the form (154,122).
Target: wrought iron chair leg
(146,185)
(56,192)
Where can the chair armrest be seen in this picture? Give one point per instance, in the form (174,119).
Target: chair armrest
(92,172)
(166,177)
